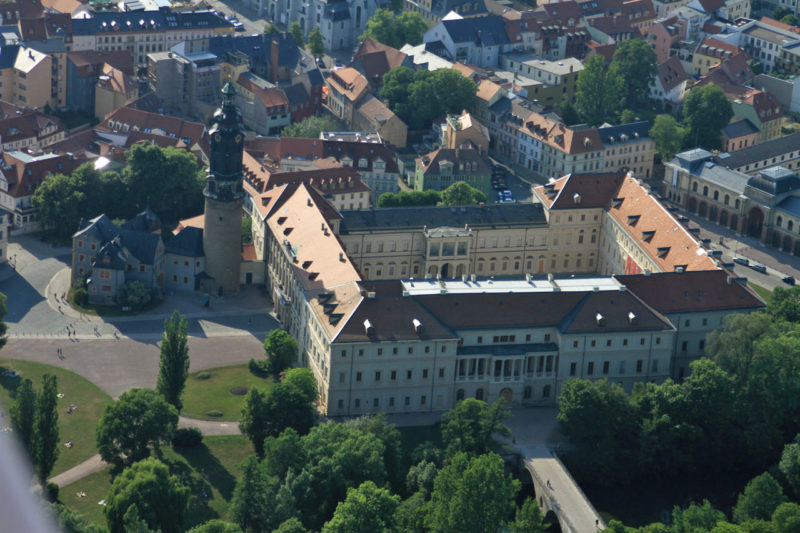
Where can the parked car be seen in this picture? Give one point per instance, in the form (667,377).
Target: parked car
(238,27)
(789,280)
(320,63)
(758,268)
(741,260)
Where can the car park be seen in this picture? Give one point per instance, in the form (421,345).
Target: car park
(758,268)
(741,260)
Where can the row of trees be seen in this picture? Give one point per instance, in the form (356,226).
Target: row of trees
(459,193)
(34,418)
(419,97)
(348,477)
(732,413)
(167,180)
(315,44)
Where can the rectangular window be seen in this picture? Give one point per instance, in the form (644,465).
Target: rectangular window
(341,377)
(574,344)
(638,366)
(573,368)
(622,367)
(605,367)
(358,403)
(424,373)
(360,351)
(344,353)
(409,373)
(423,399)
(408,400)
(410,350)
(377,375)
(480,339)
(546,337)
(394,375)
(341,404)
(380,351)
(375,402)
(358,377)
(654,366)
(702,344)
(684,346)
(590,369)
(441,372)
(391,401)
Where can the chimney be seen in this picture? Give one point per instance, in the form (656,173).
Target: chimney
(273,59)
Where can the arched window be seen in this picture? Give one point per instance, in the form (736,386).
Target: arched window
(790,225)
(779,221)
(727,199)
(716,195)
(694,187)
(705,191)
(737,204)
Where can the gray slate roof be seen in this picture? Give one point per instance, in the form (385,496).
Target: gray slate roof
(99,228)
(740,128)
(131,22)
(634,131)
(761,151)
(482,31)
(188,243)
(391,219)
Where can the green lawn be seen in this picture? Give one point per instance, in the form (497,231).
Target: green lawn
(765,293)
(79,427)
(202,396)
(210,470)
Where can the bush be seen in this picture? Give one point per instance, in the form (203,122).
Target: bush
(134,294)
(259,367)
(203,375)
(80,296)
(187,438)
(214,413)
(51,492)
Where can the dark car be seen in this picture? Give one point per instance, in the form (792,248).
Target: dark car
(789,280)
(320,63)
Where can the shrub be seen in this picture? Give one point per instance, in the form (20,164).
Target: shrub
(51,492)
(203,375)
(214,413)
(187,438)
(81,296)
(134,294)
(258,367)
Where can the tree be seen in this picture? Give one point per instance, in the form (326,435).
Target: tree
(761,496)
(247,230)
(70,521)
(216,526)
(293,525)
(311,127)
(147,489)
(390,437)
(598,95)
(394,29)
(316,43)
(129,427)
(297,33)
(668,136)
(135,294)
(696,517)
(791,19)
(253,500)
(472,494)
(367,509)
(302,379)
(288,407)
(167,180)
(58,203)
(635,62)
(529,518)
(271,29)
(281,350)
(283,453)
(706,111)
(470,425)
(461,193)
(409,198)
(785,304)
(786,518)
(45,435)
(23,415)
(3,326)
(568,113)
(789,464)
(173,368)
(253,422)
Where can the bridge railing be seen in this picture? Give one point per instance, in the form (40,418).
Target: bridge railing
(563,517)
(580,490)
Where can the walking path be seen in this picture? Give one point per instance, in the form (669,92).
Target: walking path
(95,463)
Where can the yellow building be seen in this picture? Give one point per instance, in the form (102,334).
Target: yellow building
(25,77)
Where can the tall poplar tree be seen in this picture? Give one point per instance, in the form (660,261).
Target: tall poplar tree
(173,368)
(46,428)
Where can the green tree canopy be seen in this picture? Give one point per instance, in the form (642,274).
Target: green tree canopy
(395,30)
(668,136)
(147,489)
(316,43)
(419,97)
(173,366)
(789,464)
(167,180)
(634,61)
(470,425)
(366,509)
(303,380)
(216,526)
(706,111)
(45,435)
(297,34)
(23,415)
(140,420)
(786,518)
(255,504)
(409,198)
(529,518)
(760,498)
(311,127)
(292,525)
(280,349)
(283,453)
(462,193)
(599,94)
(696,517)
(472,494)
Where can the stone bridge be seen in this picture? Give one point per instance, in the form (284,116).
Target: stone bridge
(558,493)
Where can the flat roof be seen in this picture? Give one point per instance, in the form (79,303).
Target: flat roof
(419,287)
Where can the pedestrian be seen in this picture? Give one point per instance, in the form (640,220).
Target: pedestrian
(63,296)
(549,486)
(59,310)
(597,524)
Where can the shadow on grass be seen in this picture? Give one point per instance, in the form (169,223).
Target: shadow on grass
(193,478)
(9,383)
(205,463)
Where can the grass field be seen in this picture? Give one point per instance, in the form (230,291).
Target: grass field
(79,427)
(765,293)
(210,471)
(202,396)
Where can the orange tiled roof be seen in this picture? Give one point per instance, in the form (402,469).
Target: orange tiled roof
(349,82)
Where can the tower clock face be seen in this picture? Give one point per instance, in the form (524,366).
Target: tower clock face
(239,138)
(217,137)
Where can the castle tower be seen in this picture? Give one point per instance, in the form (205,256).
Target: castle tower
(222,233)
